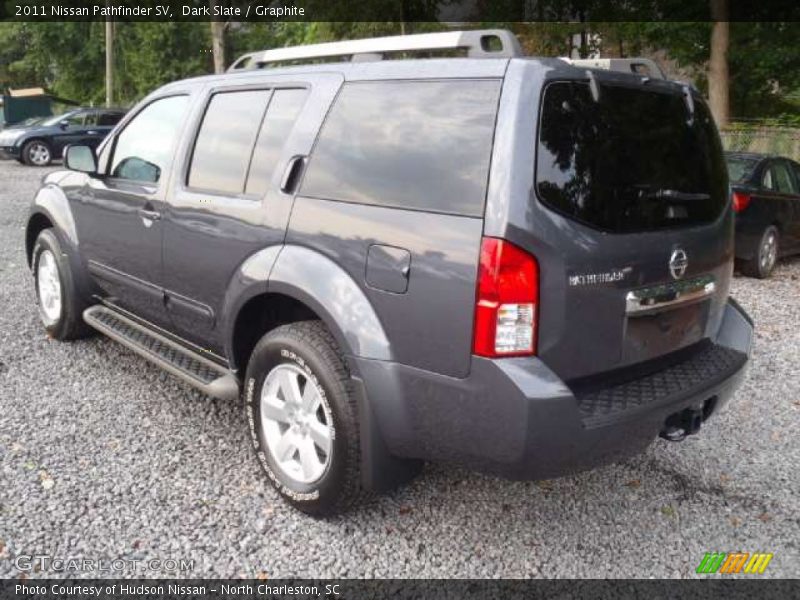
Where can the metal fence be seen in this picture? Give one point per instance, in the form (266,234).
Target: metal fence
(784,141)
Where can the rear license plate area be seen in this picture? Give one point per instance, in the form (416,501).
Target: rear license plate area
(652,335)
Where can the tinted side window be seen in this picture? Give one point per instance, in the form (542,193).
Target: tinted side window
(409,144)
(75,120)
(108,119)
(90,119)
(779,178)
(283,109)
(144,147)
(225,141)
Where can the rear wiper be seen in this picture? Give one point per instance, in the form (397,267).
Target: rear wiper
(676,195)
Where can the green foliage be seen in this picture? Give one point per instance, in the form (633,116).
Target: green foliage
(68,57)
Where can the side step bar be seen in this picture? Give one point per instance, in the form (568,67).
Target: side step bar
(195,369)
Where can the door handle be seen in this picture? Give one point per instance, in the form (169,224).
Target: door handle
(150,215)
(291,176)
(92,132)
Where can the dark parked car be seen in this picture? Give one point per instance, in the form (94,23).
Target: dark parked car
(470,260)
(766,199)
(39,141)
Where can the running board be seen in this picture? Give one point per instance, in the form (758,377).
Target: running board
(207,376)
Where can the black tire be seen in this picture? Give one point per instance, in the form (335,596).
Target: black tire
(766,256)
(309,347)
(31,153)
(69,324)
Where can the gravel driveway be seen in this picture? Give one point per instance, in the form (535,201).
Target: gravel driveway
(103,456)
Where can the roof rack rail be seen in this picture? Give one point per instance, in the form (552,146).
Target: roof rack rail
(479,43)
(638,66)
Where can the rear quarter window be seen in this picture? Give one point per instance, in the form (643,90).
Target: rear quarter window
(421,145)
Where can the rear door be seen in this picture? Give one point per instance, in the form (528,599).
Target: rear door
(229,200)
(624,205)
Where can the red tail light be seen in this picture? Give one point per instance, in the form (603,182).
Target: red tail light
(506,312)
(740,201)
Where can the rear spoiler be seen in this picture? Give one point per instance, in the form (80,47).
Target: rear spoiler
(637,66)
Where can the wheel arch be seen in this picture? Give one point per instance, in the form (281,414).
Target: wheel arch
(291,283)
(50,208)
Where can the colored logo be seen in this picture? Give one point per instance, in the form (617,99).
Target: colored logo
(734,562)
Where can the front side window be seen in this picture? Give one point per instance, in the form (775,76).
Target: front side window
(629,160)
(421,145)
(144,148)
(75,120)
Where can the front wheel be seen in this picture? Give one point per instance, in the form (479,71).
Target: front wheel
(60,305)
(763,262)
(37,153)
(303,418)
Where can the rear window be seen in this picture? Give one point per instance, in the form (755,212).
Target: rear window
(632,160)
(740,168)
(421,145)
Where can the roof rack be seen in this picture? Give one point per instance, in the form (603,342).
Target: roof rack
(638,66)
(480,43)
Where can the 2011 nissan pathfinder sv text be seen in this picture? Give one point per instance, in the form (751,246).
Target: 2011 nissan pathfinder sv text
(517,264)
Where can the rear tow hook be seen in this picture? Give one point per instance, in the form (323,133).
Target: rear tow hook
(681,424)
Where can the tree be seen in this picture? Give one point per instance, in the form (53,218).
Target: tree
(718,78)
(217,40)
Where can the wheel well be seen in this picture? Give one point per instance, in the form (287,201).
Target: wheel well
(37,223)
(37,139)
(262,314)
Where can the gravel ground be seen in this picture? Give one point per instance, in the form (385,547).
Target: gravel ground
(102,456)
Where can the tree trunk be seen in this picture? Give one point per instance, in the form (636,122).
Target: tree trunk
(109,63)
(718,81)
(217,41)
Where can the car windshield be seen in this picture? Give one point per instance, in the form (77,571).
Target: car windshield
(740,167)
(56,119)
(30,121)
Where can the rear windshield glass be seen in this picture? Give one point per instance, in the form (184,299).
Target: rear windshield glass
(740,168)
(632,160)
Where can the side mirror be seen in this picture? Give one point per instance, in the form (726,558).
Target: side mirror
(80,158)
(63,124)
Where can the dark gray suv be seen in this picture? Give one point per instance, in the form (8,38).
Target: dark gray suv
(505,262)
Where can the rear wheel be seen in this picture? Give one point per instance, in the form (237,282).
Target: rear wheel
(303,418)
(766,256)
(37,153)
(60,305)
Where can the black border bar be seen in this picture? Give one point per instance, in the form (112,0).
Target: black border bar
(463,11)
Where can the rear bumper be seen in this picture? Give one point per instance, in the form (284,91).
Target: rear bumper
(516,418)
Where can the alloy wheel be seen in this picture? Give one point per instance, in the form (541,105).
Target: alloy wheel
(769,251)
(48,282)
(39,154)
(296,423)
